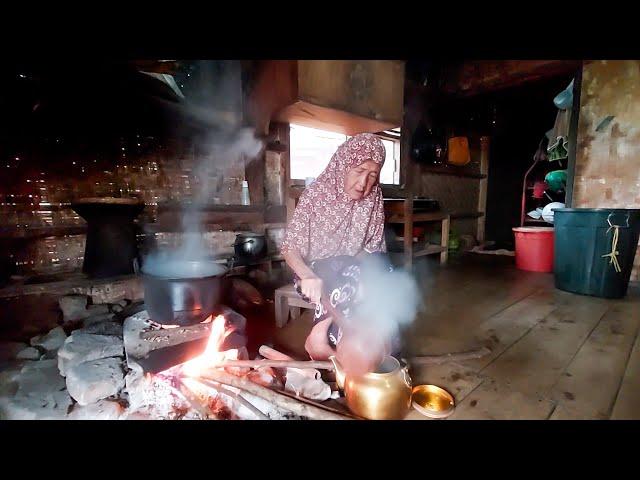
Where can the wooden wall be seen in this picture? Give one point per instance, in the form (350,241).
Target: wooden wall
(607,171)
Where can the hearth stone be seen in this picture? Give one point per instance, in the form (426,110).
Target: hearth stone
(41,394)
(9,350)
(102,328)
(29,353)
(84,347)
(103,317)
(95,380)
(101,410)
(52,341)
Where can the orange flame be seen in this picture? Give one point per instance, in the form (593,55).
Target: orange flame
(212,354)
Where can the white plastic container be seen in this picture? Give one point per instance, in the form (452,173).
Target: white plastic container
(246,199)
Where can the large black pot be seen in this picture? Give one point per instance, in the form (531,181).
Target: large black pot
(250,247)
(184,299)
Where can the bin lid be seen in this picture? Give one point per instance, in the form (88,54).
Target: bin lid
(596,210)
(532,229)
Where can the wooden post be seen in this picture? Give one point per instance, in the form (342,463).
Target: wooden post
(408,173)
(482,192)
(444,240)
(408,227)
(573,137)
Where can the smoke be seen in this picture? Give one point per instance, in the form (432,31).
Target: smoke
(213,105)
(388,302)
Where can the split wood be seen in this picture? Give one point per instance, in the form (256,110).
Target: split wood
(295,406)
(326,365)
(230,393)
(272,354)
(190,397)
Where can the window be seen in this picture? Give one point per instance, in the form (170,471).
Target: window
(311,149)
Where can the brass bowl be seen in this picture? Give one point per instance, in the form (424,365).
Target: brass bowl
(432,401)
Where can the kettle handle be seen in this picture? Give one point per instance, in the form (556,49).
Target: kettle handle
(406,377)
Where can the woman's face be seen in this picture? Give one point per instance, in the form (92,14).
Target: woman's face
(361,179)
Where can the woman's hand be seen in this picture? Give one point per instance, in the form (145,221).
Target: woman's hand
(310,284)
(311,288)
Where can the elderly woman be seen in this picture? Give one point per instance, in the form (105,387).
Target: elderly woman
(339,220)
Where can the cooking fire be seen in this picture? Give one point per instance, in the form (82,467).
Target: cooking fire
(219,383)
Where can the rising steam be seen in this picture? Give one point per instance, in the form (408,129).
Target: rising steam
(225,146)
(388,303)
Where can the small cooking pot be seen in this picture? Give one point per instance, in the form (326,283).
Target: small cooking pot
(250,246)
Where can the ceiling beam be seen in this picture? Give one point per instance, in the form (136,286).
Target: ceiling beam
(482,76)
(169,67)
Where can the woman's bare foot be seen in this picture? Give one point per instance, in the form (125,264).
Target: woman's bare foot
(317,344)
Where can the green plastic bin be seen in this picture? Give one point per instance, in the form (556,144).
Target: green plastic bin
(582,237)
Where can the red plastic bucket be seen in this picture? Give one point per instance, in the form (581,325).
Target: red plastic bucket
(534,248)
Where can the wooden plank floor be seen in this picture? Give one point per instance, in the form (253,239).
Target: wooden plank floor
(627,404)
(555,355)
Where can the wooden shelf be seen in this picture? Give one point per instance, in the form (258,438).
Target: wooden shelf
(466,215)
(275,225)
(178,227)
(533,220)
(295,191)
(420,249)
(39,232)
(174,206)
(429,250)
(418,217)
(451,170)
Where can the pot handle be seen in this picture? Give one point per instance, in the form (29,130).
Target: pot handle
(242,243)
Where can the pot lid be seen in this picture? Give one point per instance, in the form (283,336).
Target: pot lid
(432,401)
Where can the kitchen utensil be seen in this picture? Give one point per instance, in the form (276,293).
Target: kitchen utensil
(250,247)
(186,297)
(432,401)
(547,211)
(564,99)
(427,147)
(557,180)
(381,395)
(459,154)
(538,189)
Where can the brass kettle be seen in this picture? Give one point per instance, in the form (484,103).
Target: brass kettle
(381,395)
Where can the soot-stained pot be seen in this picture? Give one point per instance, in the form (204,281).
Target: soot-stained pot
(186,297)
(250,247)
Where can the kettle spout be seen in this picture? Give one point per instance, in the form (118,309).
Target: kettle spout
(339,372)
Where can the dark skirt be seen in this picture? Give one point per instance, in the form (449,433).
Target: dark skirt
(341,277)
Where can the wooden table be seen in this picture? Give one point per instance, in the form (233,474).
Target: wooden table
(409,219)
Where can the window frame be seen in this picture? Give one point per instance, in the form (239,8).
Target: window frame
(385,135)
